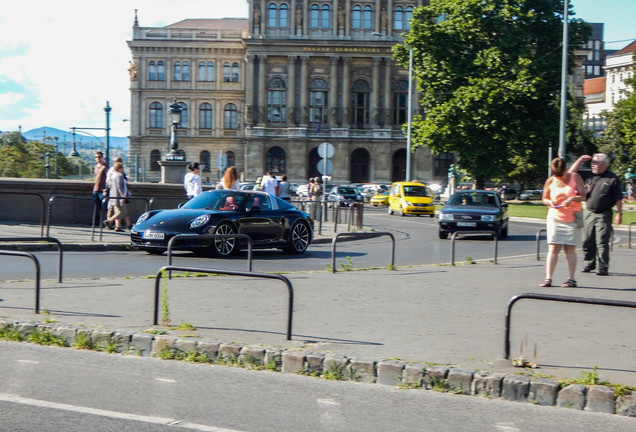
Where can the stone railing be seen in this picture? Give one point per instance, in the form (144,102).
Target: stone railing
(164,33)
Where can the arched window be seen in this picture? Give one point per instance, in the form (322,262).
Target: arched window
(314,16)
(367,18)
(325,17)
(356,17)
(205,116)
(176,76)
(206,71)
(155,157)
(185,71)
(320,17)
(318,101)
(230,117)
(231,72)
(204,161)
(152,71)
(360,92)
(278,16)
(161,71)
(402,17)
(156,115)
(184,116)
(400,100)
(230,158)
(272,15)
(275,161)
(276,97)
(235,72)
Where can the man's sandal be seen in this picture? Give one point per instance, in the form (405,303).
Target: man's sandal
(546,283)
(570,283)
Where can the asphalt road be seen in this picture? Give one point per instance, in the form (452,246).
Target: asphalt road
(61,389)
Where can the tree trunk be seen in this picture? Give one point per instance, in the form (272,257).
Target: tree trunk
(478,182)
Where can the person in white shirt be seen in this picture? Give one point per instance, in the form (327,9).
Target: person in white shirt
(283,191)
(192,181)
(230,179)
(269,184)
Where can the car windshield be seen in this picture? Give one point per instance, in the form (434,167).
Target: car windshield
(225,200)
(416,191)
(347,190)
(474,199)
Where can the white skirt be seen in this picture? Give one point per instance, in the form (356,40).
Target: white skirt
(563,233)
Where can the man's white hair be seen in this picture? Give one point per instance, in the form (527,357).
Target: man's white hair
(602,157)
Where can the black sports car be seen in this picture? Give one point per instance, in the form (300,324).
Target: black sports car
(269,221)
(474,210)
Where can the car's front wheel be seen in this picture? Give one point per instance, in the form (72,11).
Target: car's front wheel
(155,251)
(390,210)
(443,235)
(299,239)
(225,247)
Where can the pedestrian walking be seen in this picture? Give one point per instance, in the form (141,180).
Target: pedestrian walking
(269,184)
(283,191)
(192,181)
(316,195)
(603,192)
(118,191)
(561,193)
(109,175)
(99,183)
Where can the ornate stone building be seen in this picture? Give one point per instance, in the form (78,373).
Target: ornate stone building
(268,90)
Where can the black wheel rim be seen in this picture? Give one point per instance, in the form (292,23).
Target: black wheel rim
(300,237)
(224,246)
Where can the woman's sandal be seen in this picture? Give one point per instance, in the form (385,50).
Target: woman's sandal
(546,283)
(570,283)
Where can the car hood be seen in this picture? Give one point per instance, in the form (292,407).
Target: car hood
(418,199)
(470,209)
(169,220)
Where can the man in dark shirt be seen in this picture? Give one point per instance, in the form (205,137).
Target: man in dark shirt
(603,191)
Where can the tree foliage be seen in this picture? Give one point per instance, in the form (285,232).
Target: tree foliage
(27,159)
(489,76)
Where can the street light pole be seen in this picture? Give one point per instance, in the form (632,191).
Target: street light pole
(564,84)
(409,104)
(107,110)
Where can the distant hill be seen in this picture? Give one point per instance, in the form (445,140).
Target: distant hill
(65,136)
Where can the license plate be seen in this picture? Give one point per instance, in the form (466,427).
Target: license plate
(467,224)
(154,235)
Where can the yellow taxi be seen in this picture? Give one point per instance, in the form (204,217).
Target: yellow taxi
(381,198)
(410,198)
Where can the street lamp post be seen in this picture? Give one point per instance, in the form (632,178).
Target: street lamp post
(107,110)
(564,77)
(175,117)
(409,104)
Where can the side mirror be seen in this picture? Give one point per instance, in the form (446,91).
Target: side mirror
(504,205)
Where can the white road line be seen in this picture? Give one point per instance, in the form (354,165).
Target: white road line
(111,414)
(168,380)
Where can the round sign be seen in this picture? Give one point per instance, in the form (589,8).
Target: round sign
(325,150)
(321,166)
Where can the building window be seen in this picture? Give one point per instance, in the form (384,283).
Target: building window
(320,17)
(276,96)
(278,16)
(230,158)
(156,115)
(155,157)
(152,71)
(205,116)
(402,18)
(181,71)
(356,17)
(275,161)
(231,72)
(206,71)
(161,71)
(400,101)
(367,18)
(184,116)
(230,117)
(177,71)
(204,161)
(318,101)
(360,92)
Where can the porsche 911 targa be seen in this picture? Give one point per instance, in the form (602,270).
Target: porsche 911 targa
(269,221)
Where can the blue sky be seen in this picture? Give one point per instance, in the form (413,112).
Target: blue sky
(61,61)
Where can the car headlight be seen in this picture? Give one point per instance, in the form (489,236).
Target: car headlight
(201,220)
(410,204)
(445,216)
(488,218)
(144,217)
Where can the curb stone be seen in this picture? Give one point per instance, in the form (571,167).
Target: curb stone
(541,391)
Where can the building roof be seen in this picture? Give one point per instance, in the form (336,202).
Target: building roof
(628,49)
(594,86)
(212,24)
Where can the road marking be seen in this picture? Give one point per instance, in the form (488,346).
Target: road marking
(29,361)
(5,397)
(327,401)
(168,380)
(506,427)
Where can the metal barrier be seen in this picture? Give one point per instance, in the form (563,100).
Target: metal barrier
(558,298)
(50,209)
(212,236)
(360,235)
(41,239)
(37,273)
(456,233)
(542,230)
(105,207)
(629,234)
(354,215)
(290,289)
(42,205)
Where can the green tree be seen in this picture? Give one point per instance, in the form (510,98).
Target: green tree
(619,138)
(23,159)
(489,76)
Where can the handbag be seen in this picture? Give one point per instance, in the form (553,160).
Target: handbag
(578,218)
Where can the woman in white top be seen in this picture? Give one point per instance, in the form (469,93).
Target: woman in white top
(230,179)
(192,181)
(283,189)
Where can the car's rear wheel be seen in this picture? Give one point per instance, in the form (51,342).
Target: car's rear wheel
(443,235)
(401,211)
(390,210)
(299,239)
(225,247)
(431,215)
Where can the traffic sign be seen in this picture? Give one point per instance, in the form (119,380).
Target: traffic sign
(325,166)
(325,150)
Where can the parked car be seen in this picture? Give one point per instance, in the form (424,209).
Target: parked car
(344,195)
(303,191)
(410,198)
(381,198)
(474,210)
(511,193)
(531,195)
(269,221)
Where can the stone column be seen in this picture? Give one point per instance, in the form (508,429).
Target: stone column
(346,91)
(263,16)
(262,90)
(291,91)
(292,18)
(333,93)
(304,78)
(249,90)
(375,92)
(389,24)
(388,71)
(305,17)
(377,21)
(347,18)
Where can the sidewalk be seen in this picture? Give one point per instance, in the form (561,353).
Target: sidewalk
(437,314)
